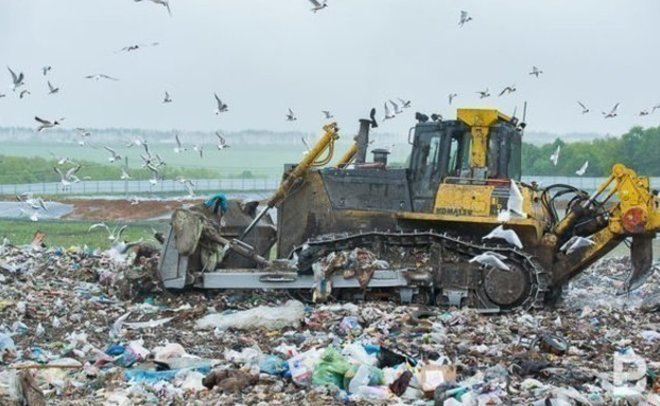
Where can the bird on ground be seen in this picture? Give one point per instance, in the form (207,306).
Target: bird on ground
(179,147)
(24,93)
(164,3)
(222,144)
(491,259)
(509,236)
(69,177)
(483,93)
(167,98)
(555,155)
(114,155)
(388,114)
(451,97)
(291,116)
(221,107)
(327,114)
(113,235)
(46,69)
(575,243)
(644,113)
(536,71)
(397,109)
(613,113)
(406,104)
(584,108)
(318,6)
(583,169)
(135,47)
(44,124)
(134,200)
(508,90)
(99,76)
(17,80)
(465,18)
(52,89)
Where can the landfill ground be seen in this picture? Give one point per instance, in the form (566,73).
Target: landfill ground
(88,327)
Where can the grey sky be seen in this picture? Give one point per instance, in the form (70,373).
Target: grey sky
(263,56)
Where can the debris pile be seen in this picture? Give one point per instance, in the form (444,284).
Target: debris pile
(88,327)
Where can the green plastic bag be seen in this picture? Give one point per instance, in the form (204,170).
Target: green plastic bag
(330,369)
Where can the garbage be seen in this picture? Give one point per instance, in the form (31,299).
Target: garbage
(274,318)
(229,380)
(7,347)
(331,369)
(432,375)
(273,365)
(399,386)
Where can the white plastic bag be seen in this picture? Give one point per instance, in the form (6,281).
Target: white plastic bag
(274,318)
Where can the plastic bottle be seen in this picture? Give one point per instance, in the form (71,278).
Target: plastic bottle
(361,378)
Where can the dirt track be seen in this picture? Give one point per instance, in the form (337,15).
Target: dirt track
(101,209)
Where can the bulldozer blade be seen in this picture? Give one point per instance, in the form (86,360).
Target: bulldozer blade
(641,255)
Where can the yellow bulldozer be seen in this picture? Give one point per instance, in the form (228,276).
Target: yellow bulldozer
(455,227)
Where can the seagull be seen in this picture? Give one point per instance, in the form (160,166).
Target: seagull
(136,142)
(583,169)
(46,69)
(52,89)
(66,179)
(657,106)
(509,236)
(327,114)
(160,162)
(483,94)
(508,90)
(491,259)
(179,147)
(406,104)
(515,201)
(372,117)
(156,178)
(2,95)
(124,174)
(16,79)
(451,97)
(63,160)
(115,156)
(584,108)
(222,107)
(114,235)
(35,203)
(612,113)
(397,109)
(388,114)
(318,6)
(164,3)
(464,18)
(644,113)
(555,156)
(83,132)
(199,149)
(575,243)
(222,144)
(135,47)
(23,93)
(46,124)
(536,71)
(291,116)
(188,184)
(167,98)
(33,214)
(100,76)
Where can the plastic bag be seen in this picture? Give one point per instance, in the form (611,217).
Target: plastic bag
(350,324)
(273,365)
(357,354)
(331,369)
(274,318)
(7,346)
(365,374)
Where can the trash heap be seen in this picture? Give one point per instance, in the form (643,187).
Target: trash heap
(79,326)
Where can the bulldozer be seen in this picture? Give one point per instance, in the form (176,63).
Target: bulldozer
(431,232)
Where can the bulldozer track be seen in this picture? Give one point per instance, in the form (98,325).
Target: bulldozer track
(539,280)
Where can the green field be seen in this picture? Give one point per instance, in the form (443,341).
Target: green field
(74,233)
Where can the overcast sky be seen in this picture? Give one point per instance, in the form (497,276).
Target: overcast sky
(263,56)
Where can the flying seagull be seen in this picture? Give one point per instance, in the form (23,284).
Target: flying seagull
(327,114)
(612,112)
(199,149)
(114,155)
(179,147)
(113,235)
(35,203)
(99,76)
(451,97)
(583,169)
(17,80)
(52,89)
(164,3)
(491,259)
(575,243)
(135,47)
(124,174)
(584,108)
(222,144)
(222,107)
(156,175)
(464,18)
(509,236)
(2,95)
(83,132)
(508,90)
(483,94)
(318,6)
(44,124)
(555,155)
(406,104)
(167,98)
(397,109)
(644,113)
(46,69)
(23,93)
(388,114)
(657,106)
(291,116)
(536,71)
(66,179)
